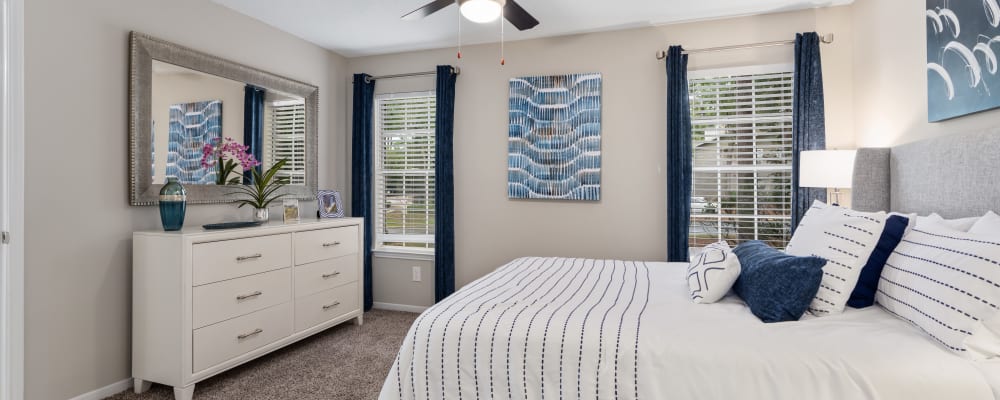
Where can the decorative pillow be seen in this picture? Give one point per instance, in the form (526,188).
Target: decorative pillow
(960,224)
(947,283)
(845,238)
(989,224)
(864,291)
(777,287)
(712,273)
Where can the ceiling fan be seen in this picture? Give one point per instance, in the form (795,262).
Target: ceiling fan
(481,11)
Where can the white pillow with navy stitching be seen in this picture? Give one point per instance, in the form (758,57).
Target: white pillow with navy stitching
(947,283)
(712,273)
(845,239)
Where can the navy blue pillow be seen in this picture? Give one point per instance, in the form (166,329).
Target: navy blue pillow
(777,287)
(863,294)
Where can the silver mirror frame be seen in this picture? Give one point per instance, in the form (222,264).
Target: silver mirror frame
(143,49)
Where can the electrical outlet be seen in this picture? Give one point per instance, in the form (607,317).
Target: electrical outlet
(416,274)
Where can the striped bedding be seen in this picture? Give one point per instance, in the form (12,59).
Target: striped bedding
(560,328)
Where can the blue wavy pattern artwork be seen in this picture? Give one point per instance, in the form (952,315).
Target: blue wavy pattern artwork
(191,126)
(554,137)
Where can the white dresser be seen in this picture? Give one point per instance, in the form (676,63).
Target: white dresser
(206,301)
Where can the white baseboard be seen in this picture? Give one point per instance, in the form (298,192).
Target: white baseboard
(106,391)
(399,307)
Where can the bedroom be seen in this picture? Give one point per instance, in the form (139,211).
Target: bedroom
(69,300)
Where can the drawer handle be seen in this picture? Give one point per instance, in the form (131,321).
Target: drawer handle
(255,332)
(329,306)
(249,296)
(331,275)
(245,258)
(331,244)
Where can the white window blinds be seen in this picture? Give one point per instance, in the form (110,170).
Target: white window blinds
(286,122)
(742,148)
(404,170)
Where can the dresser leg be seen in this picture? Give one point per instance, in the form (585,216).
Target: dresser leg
(359,320)
(141,386)
(184,393)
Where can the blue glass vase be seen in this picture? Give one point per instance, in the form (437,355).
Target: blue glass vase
(173,205)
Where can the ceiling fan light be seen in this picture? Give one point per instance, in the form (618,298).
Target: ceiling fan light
(481,11)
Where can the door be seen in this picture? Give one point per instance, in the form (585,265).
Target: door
(11,199)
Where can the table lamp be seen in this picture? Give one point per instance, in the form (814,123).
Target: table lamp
(827,169)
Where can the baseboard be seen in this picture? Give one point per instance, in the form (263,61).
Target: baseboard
(399,307)
(106,391)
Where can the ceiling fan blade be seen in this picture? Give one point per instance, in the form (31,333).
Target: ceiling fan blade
(428,9)
(518,16)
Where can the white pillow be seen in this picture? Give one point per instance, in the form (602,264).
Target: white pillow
(989,224)
(947,283)
(713,273)
(845,238)
(960,224)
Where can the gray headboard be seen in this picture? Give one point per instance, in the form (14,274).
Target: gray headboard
(955,176)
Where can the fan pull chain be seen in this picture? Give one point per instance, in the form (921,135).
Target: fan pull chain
(503,61)
(459,35)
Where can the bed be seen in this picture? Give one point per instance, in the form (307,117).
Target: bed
(553,328)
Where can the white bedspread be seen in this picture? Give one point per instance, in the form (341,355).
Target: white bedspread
(571,328)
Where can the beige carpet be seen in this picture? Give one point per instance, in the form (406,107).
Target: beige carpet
(344,362)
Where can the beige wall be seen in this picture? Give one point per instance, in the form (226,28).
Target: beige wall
(629,221)
(890,58)
(78,221)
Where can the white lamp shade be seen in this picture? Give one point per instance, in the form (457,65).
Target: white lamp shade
(826,168)
(481,11)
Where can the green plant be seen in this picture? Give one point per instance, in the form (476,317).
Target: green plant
(263,188)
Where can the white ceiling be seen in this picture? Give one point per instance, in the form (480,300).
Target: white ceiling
(366,27)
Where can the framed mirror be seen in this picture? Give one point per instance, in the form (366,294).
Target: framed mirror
(183,104)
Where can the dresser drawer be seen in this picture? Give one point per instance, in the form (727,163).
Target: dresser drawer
(326,305)
(326,274)
(227,299)
(220,342)
(218,261)
(312,246)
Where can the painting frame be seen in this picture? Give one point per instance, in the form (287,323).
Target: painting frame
(330,204)
(554,137)
(963,41)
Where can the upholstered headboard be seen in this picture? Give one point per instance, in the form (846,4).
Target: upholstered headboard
(955,176)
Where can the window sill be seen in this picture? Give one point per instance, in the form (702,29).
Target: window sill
(404,254)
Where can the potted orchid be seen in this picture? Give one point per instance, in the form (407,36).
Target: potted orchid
(227,156)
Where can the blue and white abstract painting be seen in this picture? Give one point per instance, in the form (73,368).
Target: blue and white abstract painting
(191,125)
(963,37)
(554,137)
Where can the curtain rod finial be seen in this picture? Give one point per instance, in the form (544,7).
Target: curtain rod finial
(827,38)
(661,55)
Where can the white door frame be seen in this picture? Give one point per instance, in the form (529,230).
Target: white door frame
(12,199)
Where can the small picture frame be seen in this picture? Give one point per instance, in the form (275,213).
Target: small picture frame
(330,204)
(291,210)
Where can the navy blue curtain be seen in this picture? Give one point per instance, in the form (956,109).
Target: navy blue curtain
(808,118)
(444,185)
(362,168)
(253,124)
(678,155)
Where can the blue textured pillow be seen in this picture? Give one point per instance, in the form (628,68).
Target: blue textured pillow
(777,287)
(863,294)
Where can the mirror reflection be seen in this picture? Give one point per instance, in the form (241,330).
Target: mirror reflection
(209,130)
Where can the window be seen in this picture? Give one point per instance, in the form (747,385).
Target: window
(286,122)
(742,148)
(404,171)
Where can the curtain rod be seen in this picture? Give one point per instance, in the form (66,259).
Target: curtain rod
(454,70)
(827,38)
